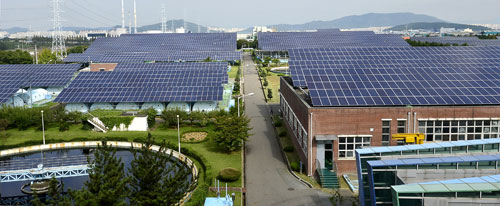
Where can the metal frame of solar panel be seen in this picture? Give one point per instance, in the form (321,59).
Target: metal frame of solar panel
(398,76)
(163,82)
(16,76)
(471,41)
(283,41)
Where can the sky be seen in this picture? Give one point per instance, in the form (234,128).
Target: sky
(36,14)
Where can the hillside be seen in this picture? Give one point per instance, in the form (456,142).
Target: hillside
(436,26)
(358,21)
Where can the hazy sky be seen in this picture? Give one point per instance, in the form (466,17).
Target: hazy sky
(236,13)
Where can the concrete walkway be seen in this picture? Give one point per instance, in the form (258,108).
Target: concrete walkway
(268,181)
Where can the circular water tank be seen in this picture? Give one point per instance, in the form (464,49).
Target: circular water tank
(179,105)
(78,107)
(205,106)
(127,106)
(159,107)
(101,105)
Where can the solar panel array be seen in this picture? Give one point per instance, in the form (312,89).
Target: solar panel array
(15,76)
(219,68)
(160,47)
(283,41)
(471,41)
(398,76)
(159,82)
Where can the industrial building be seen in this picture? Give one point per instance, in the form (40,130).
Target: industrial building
(345,98)
(444,173)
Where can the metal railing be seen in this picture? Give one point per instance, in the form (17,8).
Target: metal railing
(318,168)
(10,165)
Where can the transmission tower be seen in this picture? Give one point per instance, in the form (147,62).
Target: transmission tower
(163,19)
(58,47)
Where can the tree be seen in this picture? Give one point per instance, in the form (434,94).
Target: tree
(232,131)
(170,116)
(107,183)
(196,116)
(47,57)
(77,49)
(4,124)
(156,178)
(207,59)
(55,198)
(15,57)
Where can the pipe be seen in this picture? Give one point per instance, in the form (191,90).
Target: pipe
(408,123)
(310,145)
(414,122)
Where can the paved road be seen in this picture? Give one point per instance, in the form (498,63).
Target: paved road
(268,181)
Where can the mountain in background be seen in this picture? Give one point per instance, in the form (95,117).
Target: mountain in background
(178,23)
(435,26)
(15,30)
(358,21)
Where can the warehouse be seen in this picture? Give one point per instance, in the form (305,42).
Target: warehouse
(341,99)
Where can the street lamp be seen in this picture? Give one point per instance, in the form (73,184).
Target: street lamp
(178,134)
(239,97)
(43,129)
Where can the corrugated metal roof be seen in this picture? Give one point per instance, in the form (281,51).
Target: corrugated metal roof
(432,160)
(472,184)
(426,146)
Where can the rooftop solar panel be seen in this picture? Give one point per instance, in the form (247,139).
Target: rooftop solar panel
(398,76)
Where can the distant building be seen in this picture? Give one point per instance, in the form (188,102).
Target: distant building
(257,29)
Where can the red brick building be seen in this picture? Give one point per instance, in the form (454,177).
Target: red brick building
(329,135)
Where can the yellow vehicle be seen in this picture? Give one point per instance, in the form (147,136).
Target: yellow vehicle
(409,138)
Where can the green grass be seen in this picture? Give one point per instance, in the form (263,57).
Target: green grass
(234,70)
(208,149)
(273,83)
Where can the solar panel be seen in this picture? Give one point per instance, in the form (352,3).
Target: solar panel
(149,82)
(167,56)
(471,41)
(398,76)
(283,41)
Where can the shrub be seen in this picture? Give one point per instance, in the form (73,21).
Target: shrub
(269,93)
(295,166)
(63,126)
(199,195)
(288,148)
(278,123)
(265,82)
(282,134)
(229,174)
(204,122)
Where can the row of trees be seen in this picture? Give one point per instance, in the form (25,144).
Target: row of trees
(243,43)
(154,178)
(427,44)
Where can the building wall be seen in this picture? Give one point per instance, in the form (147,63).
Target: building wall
(367,121)
(96,67)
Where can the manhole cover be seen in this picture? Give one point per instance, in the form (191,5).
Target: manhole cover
(290,189)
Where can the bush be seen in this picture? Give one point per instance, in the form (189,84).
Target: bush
(282,134)
(269,93)
(229,175)
(278,123)
(199,195)
(288,148)
(204,122)
(295,166)
(63,126)
(265,82)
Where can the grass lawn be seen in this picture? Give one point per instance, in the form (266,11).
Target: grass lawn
(208,149)
(234,70)
(273,83)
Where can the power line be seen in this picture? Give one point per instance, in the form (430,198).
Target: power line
(113,21)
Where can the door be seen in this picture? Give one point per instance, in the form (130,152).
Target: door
(329,156)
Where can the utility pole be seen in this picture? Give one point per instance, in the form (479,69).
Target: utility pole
(36,55)
(123,16)
(58,46)
(129,23)
(135,18)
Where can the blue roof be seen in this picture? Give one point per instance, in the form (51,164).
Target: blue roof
(372,150)
(433,160)
(214,201)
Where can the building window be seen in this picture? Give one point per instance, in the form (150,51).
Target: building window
(401,126)
(348,144)
(386,132)
(454,130)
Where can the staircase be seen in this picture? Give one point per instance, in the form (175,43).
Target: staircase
(98,125)
(328,179)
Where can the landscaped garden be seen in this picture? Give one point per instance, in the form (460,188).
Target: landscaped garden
(214,139)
